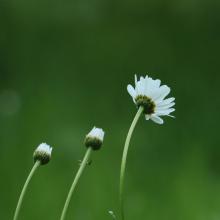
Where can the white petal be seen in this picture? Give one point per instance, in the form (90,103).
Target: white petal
(149,87)
(44,148)
(157,119)
(162,93)
(150,83)
(96,133)
(131,91)
(165,112)
(147,117)
(135,80)
(140,87)
(155,94)
(157,83)
(146,86)
(165,101)
(163,107)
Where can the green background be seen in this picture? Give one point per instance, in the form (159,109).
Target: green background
(64,67)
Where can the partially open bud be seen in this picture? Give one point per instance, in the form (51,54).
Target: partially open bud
(94,138)
(42,153)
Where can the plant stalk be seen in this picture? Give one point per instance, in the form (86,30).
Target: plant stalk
(124,159)
(20,200)
(78,175)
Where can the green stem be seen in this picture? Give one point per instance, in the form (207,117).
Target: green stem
(36,165)
(79,173)
(124,158)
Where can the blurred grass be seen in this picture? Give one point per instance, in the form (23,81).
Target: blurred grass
(64,67)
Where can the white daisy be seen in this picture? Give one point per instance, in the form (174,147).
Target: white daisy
(149,94)
(94,138)
(96,133)
(44,148)
(43,153)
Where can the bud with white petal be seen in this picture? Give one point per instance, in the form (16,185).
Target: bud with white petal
(94,138)
(42,153)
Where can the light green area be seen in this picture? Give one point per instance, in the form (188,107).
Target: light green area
(64,67)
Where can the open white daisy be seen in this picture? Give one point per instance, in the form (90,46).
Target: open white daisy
(149,94)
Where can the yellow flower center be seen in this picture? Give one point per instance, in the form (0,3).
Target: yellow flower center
(147,103)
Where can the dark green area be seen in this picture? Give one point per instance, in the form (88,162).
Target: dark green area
(64,68)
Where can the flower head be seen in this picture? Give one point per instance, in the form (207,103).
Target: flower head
(94,138)
(42,153)
(149,94)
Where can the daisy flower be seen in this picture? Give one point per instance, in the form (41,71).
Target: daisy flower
(43,153)
(42,156)
(151,95)
(93,141)
(94,138)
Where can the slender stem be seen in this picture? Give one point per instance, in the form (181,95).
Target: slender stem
(79,173)
(36,165)
(124,158)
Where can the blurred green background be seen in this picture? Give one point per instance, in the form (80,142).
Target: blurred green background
(64,68)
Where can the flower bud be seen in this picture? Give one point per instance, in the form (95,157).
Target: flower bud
(42,153)
(94,138)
